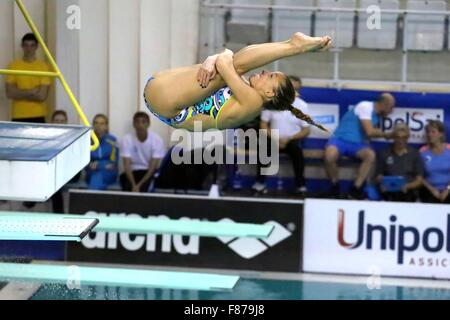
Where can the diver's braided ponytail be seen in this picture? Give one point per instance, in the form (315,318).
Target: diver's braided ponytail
(302,116)
(283,100)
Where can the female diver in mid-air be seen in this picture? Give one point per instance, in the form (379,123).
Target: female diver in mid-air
(216,94)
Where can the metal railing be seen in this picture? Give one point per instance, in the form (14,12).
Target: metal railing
(208,4)
(336,81)
(56,74)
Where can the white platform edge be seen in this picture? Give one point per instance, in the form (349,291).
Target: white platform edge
(39,180)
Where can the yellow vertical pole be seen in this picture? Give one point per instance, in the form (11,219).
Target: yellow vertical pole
(58,71)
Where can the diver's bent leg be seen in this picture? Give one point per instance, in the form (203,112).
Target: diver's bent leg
(259,55)
(172,90)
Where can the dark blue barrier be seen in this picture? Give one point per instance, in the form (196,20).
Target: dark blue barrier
(347,97)
(43,250)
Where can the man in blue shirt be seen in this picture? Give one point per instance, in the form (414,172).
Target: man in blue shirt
(352,137)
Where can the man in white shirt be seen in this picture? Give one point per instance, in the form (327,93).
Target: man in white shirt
(291,130)
(141,152)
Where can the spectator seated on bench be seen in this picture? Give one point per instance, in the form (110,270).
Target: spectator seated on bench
(436,157)
(142,152)
(352,137)
(399,168)
(102,171)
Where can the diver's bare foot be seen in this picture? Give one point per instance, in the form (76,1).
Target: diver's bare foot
(306,43)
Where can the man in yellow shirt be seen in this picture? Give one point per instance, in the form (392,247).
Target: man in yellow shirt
(27,92)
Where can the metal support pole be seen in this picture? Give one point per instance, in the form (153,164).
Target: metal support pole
(56,74)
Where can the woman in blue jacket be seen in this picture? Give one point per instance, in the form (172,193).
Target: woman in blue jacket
(103,168)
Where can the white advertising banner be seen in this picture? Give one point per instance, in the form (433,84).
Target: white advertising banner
(377,238)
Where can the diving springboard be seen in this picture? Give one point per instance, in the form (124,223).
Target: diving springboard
(83,276)
(36,160)
(161,226)
(45,229)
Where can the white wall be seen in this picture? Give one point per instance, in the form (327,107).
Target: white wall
(184,32)
(123,68)
(66,52)
(121,43)
(94,57)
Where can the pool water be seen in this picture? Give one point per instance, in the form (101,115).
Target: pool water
(247,289)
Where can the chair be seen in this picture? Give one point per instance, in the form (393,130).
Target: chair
(339,25)
(425,32)
(285,23)
(386,36)
(249,26)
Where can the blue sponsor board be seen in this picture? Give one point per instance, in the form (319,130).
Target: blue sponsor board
(412,108)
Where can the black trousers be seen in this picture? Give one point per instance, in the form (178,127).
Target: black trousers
(58,197)
(410,196)
(30,120)
(138,175)
(295,153)
(427,197)
(58,202)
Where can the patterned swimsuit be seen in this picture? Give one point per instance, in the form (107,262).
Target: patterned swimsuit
(211,106)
